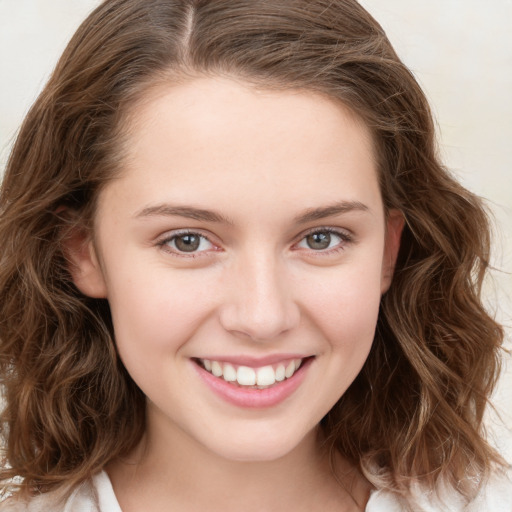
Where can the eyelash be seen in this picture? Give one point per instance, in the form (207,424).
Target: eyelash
(344,236)
(164,244)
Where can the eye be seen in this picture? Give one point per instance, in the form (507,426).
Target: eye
(187,243)
(323,240)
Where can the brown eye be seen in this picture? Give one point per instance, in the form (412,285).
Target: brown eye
(325,240)
(188,243)
(319,240)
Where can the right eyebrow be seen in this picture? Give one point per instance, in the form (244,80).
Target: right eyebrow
(312,214)
(189,212)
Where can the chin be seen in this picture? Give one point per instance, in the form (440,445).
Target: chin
(262,446)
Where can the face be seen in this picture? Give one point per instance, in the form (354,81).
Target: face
(243,251)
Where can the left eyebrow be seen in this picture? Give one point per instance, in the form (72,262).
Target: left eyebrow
(312,214)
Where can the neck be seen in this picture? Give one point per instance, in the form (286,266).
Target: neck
(171,471)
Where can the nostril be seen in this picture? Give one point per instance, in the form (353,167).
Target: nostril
(260,323)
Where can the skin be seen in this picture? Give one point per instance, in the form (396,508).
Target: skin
(263,161)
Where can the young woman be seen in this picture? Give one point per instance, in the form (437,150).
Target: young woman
(235,275)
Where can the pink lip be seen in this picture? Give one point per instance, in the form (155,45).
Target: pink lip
(254,398)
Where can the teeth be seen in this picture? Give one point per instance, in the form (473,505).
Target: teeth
(265,376)
(216,369)
(246,376)
(280,372)
(290,369)
(229,373)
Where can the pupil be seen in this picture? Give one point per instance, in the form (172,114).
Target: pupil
(187,243)
(319,240)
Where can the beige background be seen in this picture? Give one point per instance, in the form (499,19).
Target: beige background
(460,51)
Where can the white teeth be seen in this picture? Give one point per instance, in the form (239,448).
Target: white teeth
(265,376)
(245,376)
(229,373)
(216,369)
(280,373)
(290,369)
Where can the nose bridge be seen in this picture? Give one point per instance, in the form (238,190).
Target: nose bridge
(260,304)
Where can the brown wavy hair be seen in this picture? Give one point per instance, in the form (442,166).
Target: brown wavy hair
(414,413)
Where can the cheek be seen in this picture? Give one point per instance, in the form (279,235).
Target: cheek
(156,311)
(345,307)
(347,318)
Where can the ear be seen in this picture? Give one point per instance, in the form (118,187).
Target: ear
(84,265)
(394,226)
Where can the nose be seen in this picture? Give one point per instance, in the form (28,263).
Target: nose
(258,300)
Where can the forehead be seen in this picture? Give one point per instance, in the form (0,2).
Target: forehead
(212,139)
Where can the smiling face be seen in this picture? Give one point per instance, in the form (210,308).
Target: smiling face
(243,252)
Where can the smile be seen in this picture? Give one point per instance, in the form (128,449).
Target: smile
(256,378)
(266,385)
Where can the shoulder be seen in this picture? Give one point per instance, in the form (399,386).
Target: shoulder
(95,495)
(495,496)
(82,499)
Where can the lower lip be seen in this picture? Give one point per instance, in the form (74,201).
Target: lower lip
(250,397)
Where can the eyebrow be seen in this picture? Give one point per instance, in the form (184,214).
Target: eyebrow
(190,212)
(338,208)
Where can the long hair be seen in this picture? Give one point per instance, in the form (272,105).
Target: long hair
(414,413)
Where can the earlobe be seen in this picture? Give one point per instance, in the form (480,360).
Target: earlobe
(394,226)
(84,265)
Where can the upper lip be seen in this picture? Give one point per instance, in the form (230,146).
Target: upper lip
(254,362)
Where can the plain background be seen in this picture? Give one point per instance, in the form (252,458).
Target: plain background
(460,52)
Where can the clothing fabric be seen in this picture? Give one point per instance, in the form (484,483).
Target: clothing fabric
(98,496)
(496,496)
(95,496)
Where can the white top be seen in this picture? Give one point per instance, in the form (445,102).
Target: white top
(98,496)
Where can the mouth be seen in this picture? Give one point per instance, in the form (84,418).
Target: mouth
(261,377)
(256,386)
